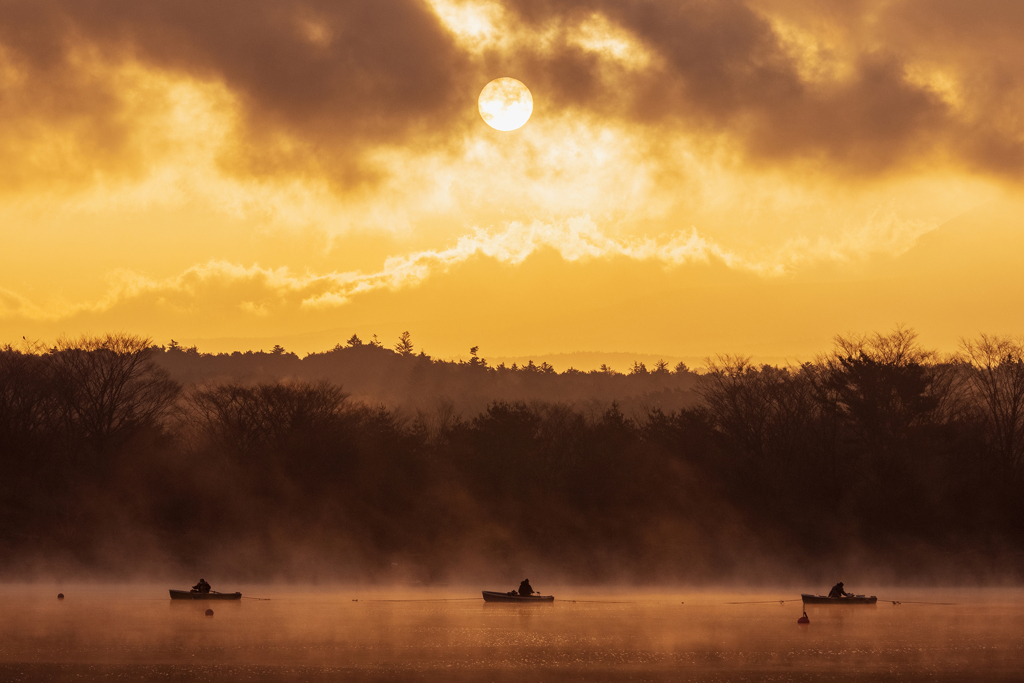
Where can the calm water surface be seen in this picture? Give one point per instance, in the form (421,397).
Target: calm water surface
(325,634)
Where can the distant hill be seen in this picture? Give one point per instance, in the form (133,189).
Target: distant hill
(983,242)
(418,383)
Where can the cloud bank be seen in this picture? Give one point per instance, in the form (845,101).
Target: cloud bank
(221,283)
(862,88)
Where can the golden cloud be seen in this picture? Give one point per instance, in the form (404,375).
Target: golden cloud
(223,285)
(314,87)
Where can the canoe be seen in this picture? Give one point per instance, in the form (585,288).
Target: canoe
(852,600)
(196,595)
(492,596)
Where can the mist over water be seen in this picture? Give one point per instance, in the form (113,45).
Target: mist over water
(103,632)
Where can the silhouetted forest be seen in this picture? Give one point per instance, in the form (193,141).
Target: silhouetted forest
(376,464)
(414,382)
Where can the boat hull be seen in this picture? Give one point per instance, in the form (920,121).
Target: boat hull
(492,596)
(852,600)
(189,595)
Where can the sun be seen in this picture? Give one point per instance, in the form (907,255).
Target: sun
(506,104)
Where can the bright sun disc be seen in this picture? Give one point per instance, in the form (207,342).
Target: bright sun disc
(506,104)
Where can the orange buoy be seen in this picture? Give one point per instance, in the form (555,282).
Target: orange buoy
(60,596)
(803,619)
(209,612)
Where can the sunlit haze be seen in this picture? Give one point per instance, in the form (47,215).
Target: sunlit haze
(325,323)
(696,178)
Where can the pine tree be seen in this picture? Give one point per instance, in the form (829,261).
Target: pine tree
(404,345)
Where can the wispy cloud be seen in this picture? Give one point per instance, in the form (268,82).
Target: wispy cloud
(574,240)
(14,304)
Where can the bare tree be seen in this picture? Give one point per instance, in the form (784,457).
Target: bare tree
(996,381)
(108,386)
(899,348)
(242,418)
(882,387)
(763,411)
(441,421)
(26,404)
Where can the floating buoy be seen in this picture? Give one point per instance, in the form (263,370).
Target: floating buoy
(60,596)
(803,619)
(209,612)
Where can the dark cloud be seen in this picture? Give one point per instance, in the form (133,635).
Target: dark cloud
(333,76)
(320,82)
(722,67)
(979,42)
(58,122)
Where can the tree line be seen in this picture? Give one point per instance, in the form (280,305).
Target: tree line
(878,454)
(414,382)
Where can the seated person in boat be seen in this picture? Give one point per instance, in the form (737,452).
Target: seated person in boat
(201,587)
(525,589)
(838,592)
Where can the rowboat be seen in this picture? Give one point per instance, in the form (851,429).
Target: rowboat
(196,595)
(850,600)
(492,596)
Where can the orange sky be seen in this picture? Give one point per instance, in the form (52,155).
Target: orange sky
(698,176)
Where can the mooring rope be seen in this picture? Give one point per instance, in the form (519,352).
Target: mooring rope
(895,602)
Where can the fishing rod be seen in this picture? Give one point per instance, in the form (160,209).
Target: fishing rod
(245,597)
(420,600)
(908,602)
(603,602)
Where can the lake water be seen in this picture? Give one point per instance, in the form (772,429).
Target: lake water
(328,634)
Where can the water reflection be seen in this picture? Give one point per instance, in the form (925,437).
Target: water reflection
(136,631)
